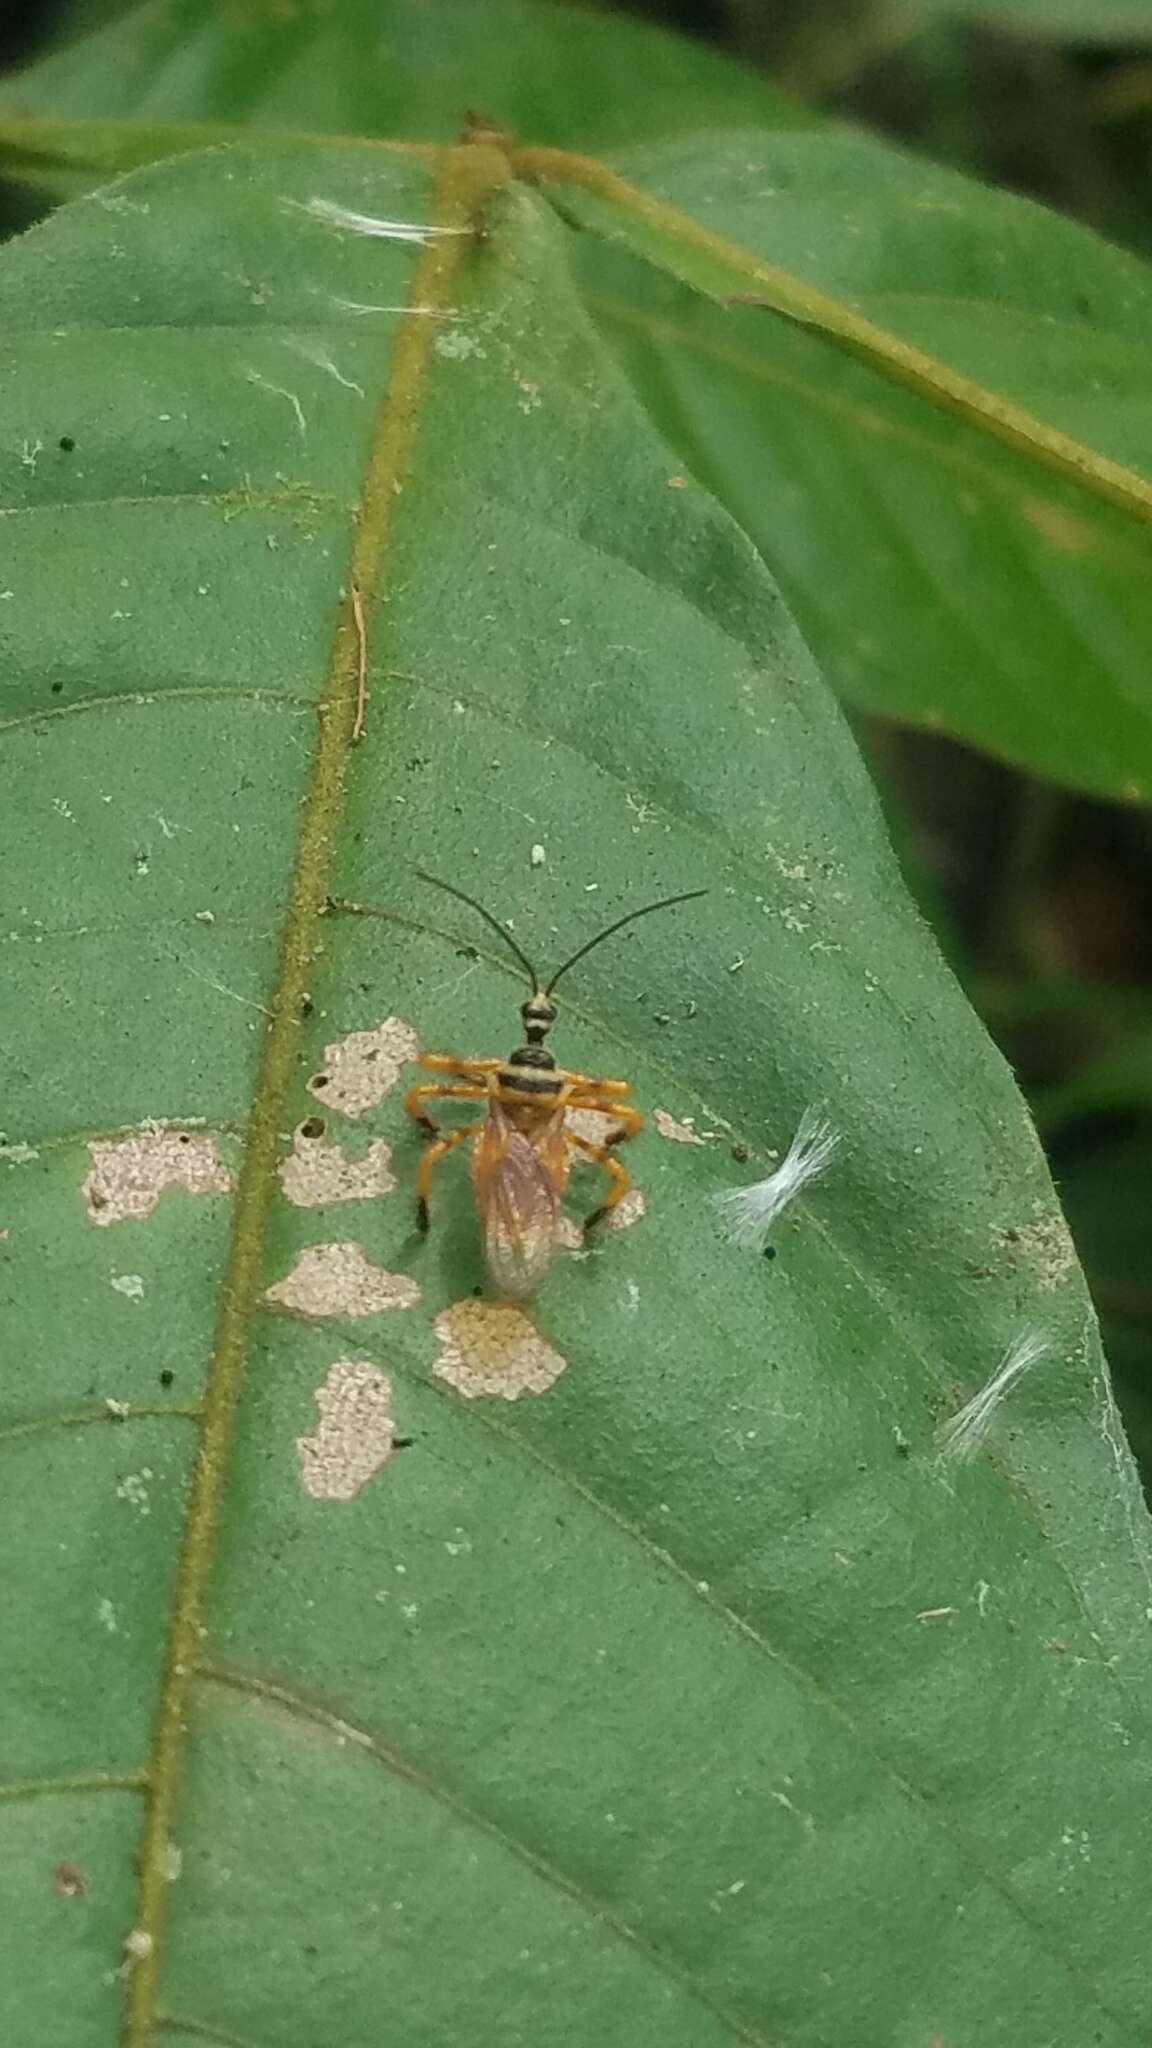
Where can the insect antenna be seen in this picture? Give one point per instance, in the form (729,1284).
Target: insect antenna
(501,932)
(646,909)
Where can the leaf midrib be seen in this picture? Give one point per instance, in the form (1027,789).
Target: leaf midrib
(468,176)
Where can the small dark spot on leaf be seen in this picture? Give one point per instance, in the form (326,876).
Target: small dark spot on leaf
(184,1138)
(68,1880)
(313,1127)
(306,1006)
(318,1081)
(769,1251)
(166,1376)
(403,1443)
(740,1154)
(67,443)
(97,1200)
(56,689)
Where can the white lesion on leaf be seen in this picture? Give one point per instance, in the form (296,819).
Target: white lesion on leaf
(493,1348)
(339,1280)
(128,1175)
(316,1171)
(359,1070)
(354,1434)
(678,1129)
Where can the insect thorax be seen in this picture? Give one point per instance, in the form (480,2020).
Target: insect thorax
(531,1070)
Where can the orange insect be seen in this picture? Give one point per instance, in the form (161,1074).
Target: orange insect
(523,1149)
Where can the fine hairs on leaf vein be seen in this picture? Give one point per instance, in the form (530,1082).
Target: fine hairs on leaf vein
(747,1214)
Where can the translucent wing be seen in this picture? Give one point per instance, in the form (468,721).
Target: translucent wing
(519,1179)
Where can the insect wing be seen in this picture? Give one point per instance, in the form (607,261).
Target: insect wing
(519,1180)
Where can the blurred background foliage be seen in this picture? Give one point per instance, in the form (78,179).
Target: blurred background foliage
(1042,897)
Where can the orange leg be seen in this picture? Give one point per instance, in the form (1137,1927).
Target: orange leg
(431,1158)
(628,1120)
(620,1177)
(592,1084)
(471,1091)
(448,1063)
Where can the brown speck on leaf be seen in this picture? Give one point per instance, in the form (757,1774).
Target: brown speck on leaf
(339,1280)
(355,1431)
(492,1348)
(360,1069)
(317,1171)
(69,1881)
(129,1175)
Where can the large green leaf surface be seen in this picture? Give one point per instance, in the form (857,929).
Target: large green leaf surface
(943,576)
(692,1699)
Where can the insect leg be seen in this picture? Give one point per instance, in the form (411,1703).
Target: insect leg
(432,1158)
(448,1063)
(592,1084)
(628,1120)
(620,1176)
(415,1098)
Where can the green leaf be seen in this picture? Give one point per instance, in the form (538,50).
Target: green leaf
(121,96)
(934,426)
(1071,21)
(692,1697)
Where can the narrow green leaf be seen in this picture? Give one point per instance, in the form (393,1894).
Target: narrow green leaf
(685,1692)
(942,446)
(554,73)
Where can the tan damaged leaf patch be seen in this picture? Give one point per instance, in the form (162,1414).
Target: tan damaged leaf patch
(492,1348)
(354,1434)
(339,1280)
(317,1171)
(128,1175)
(679,1130)
(593,1124)
(1044,1243)
(629,1209)
(359,1070)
